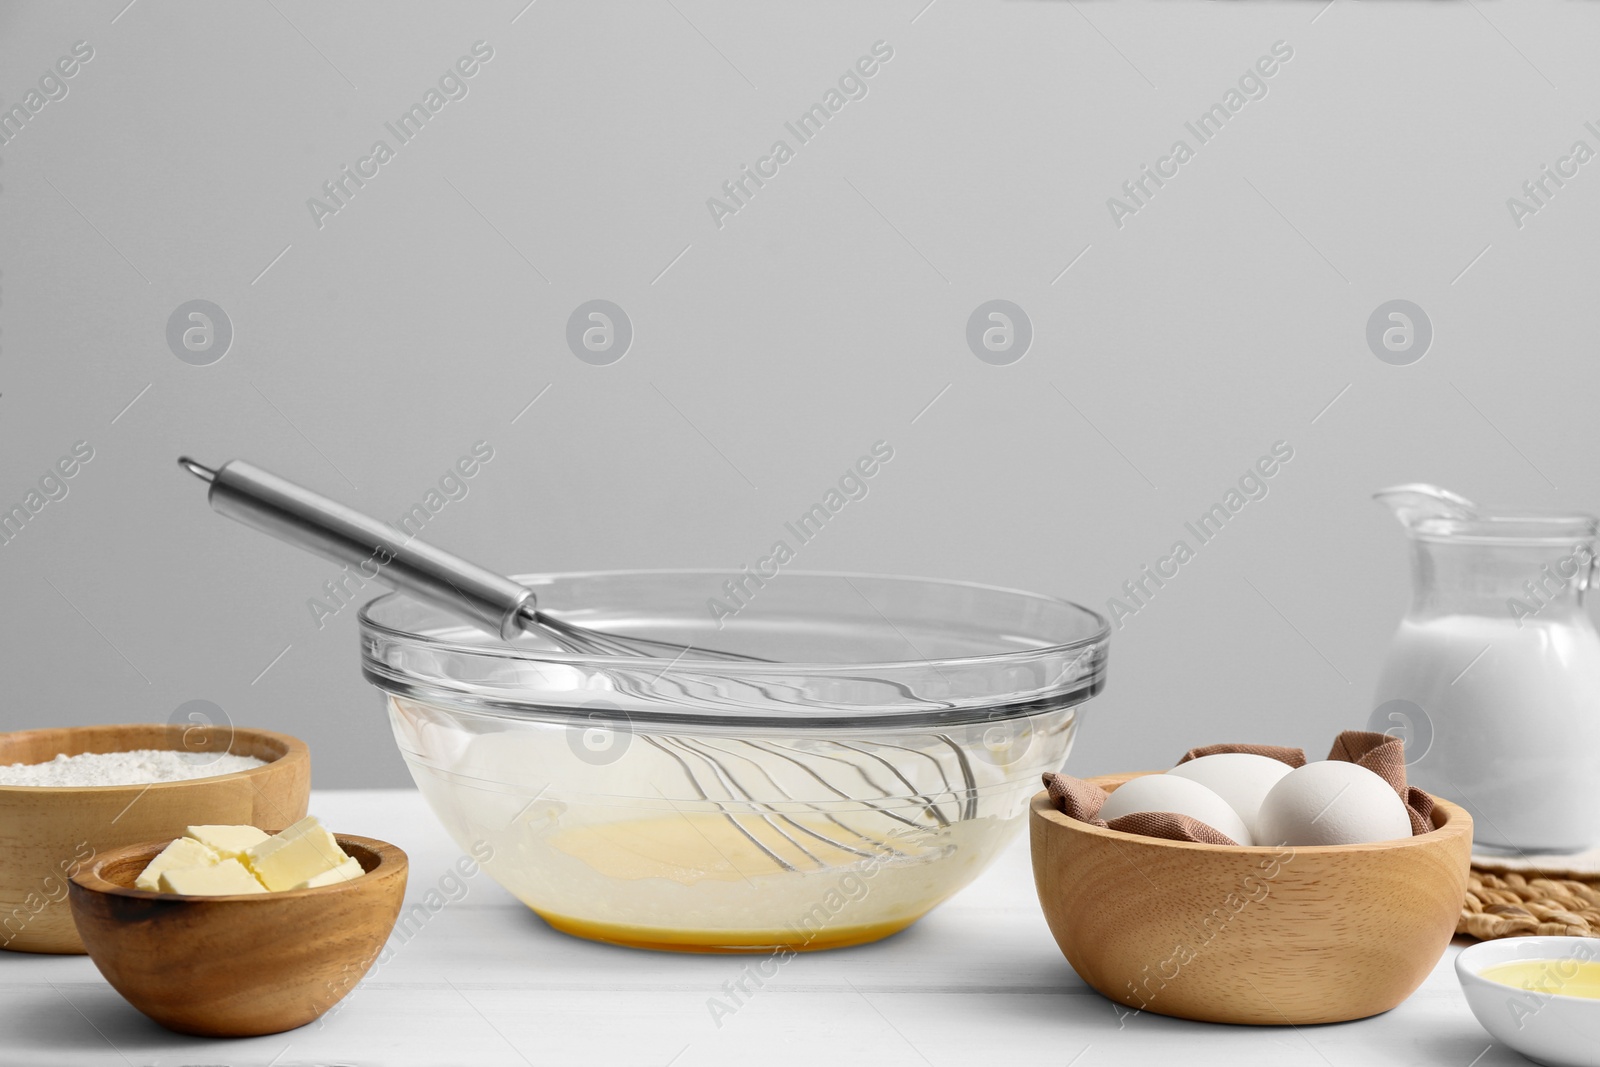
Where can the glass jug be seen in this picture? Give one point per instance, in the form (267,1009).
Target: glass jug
(1494,673)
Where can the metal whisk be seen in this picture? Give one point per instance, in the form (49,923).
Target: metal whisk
(719,771)
(293,513)
(898,821)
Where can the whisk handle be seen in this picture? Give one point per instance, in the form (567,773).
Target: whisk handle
(293,513)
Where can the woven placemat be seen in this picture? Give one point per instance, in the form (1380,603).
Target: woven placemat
(1551,903)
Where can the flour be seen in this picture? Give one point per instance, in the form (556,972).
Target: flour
(140,767)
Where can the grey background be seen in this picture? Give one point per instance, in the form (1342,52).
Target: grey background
(1228,314)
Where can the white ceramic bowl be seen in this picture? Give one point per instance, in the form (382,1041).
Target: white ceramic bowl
(1544,1025)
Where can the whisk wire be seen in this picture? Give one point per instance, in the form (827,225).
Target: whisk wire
(878,844)
(722,808)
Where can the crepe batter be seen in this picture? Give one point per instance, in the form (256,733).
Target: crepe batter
(727,894)
(698,882)
(650,871)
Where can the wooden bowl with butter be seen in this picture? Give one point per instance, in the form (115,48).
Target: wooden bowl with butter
(1255,935)
(239,965)
(48,833)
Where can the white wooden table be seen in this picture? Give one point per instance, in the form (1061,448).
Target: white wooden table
(484,982)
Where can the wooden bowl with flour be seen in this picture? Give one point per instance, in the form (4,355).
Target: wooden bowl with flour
(49,833)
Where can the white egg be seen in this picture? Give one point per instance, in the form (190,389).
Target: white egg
(1181,796)
(1332,803)
(1240,778)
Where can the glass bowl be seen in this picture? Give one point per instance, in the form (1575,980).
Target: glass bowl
(873,761)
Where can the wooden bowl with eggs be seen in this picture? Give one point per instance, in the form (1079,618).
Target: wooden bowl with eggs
(1253,935)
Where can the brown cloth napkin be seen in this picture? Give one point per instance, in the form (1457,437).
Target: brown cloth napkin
(1294,757)
(1381,754)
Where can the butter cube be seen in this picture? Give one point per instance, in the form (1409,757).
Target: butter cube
(218,879)
(183,852)
(228,842)
(295,856)
(346,871)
